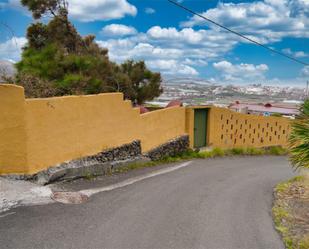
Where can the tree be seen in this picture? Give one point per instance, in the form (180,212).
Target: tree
(299,138)
(40,8)
(143,83)
(59,59)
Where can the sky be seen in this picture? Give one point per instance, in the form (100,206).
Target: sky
(178,44)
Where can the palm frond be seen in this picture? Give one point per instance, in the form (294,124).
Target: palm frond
(299,138)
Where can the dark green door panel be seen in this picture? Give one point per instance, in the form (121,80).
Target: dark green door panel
(200,127)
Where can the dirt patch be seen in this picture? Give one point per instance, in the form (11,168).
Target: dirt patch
(69,197)
(291,212)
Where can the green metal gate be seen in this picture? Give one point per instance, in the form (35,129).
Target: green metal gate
(200,127)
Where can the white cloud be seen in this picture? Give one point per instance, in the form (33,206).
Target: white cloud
(12,48)
(92,10)
(87,11)
(297,54)
(266,21)
(240,71)
(172,67)
(187,35)
(118,30)
(159,47)
(150,11)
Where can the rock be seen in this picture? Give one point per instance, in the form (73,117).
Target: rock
(171,148)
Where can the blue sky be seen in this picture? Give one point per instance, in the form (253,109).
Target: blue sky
(179,45)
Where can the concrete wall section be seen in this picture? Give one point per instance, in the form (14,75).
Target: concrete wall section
(39,133)
(231,129)
(61,129)
(161,126)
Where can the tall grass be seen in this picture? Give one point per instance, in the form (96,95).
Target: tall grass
(299,138)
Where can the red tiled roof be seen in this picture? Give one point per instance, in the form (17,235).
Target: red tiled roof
(174,103)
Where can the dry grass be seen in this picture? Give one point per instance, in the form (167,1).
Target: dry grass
(291,212)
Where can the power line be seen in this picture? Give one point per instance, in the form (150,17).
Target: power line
(239,34)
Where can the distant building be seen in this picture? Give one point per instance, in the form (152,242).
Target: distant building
(267,109)
(174,103)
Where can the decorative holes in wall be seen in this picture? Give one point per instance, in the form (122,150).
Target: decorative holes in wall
(263,129)
(246,121)
(221,116)
(283,132)
(227,121)
(222,137)
(267,125)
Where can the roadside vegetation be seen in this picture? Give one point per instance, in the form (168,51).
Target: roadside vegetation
(299,139)
(291,212)
(58,61)
(213,153)
(291,204)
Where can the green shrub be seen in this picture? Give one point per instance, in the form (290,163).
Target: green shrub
(254,151)
(206,154)
(237,151)
(277,150)
(216,152)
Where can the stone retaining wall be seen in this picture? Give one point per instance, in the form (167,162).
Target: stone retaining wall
(99,164)
(171,148)
(106,161)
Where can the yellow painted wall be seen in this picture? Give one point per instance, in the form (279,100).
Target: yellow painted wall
(39,133)
(160,126)
(230,129)
(65,128)
(13,147)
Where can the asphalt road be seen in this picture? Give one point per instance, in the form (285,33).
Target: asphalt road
(214,204)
